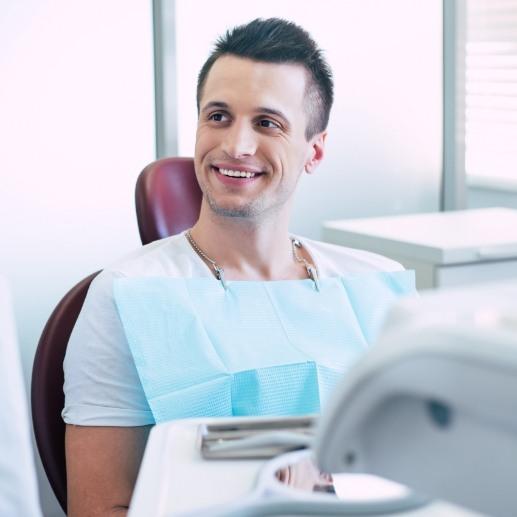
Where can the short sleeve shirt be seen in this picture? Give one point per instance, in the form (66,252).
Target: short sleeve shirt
(102,387)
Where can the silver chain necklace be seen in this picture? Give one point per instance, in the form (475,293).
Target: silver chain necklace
(219,271)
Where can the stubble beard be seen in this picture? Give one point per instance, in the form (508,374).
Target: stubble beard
(251,210)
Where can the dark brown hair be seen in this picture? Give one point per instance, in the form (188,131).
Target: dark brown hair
(279,41)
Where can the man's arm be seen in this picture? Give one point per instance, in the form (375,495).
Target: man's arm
(102,465)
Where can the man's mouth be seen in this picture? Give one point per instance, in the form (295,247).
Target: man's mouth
(236,173)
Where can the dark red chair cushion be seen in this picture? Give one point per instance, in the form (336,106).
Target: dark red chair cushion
(168,198)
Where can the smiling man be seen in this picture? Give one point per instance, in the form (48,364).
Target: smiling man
(252,146)
(235,316)
(264,98)
(253,136)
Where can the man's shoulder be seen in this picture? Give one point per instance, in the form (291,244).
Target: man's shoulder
(156,257)
(171,256)
(334,260)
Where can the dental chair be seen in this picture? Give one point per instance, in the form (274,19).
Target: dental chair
(168,200)
(431,406)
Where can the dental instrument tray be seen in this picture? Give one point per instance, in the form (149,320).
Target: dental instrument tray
(256,438)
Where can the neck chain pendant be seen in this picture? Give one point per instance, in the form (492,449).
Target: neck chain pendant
(312,273)
(218,270)
(219,274)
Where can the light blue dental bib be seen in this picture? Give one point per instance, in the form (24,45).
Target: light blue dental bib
(256,348)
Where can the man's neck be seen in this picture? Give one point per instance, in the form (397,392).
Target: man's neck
(247,249)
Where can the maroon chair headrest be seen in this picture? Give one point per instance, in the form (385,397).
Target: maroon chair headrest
(168,198)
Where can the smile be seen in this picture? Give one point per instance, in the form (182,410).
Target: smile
(234,173)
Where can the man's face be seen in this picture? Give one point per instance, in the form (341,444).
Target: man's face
(250,142)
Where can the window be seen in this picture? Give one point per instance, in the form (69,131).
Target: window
(490,96)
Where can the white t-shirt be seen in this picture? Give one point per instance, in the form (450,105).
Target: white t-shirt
(102,386)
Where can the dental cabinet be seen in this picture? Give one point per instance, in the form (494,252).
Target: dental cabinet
(445,249)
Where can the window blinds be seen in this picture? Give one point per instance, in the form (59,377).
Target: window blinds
(491,91)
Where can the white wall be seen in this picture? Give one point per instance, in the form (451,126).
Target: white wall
(384,148)
(76,127)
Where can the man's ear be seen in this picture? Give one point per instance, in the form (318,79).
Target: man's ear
(317,151)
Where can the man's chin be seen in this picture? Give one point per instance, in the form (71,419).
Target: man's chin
(248,211)
(241,212)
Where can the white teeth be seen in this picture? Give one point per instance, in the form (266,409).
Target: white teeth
(236,174)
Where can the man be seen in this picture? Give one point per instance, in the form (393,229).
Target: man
(264,97)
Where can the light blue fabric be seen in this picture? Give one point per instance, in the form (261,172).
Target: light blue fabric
(256,348)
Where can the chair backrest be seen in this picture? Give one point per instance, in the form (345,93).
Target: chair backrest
(168,200)
(47,397)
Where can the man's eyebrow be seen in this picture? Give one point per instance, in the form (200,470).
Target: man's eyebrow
(215,104)
(271,111)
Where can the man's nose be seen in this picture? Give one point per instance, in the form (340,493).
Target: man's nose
(240,140)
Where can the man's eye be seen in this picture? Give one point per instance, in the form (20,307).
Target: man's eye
(268,124)
(217,117)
